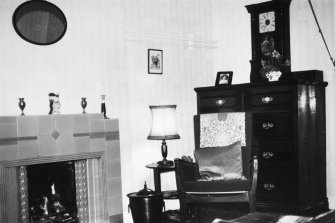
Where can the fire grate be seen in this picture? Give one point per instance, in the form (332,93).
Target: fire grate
(53,192)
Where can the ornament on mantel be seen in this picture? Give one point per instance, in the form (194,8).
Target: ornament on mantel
(83,104)
(22,105)
(103,105)
(54,104)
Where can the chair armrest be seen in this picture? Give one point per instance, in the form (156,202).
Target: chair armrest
(252,192)
(184,171)
(254,175)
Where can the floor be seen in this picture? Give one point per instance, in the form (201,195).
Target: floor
(240,214)
(262,217)
(209,213)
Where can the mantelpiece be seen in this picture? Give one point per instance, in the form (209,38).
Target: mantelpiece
(28,140)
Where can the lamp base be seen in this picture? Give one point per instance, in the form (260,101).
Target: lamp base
(165,163)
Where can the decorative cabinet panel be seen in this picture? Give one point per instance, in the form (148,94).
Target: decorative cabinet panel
(288,136)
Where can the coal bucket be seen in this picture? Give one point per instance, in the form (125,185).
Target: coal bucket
(146,206)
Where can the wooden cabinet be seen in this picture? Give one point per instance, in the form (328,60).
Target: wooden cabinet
(288,136)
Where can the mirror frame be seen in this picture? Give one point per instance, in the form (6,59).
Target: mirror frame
(49,4)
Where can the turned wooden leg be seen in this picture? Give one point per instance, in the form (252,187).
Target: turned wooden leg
(183,209)
(252,202)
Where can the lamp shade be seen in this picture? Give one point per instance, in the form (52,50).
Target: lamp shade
(163,122)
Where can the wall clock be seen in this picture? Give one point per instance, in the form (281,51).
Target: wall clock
(270,39)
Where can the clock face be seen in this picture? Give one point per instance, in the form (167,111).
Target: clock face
(267,22)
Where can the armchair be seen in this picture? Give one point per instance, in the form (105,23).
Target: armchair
(214,178)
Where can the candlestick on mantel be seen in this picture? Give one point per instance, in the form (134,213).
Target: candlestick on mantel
(103,105)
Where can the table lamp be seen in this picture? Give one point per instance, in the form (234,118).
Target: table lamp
(163,127)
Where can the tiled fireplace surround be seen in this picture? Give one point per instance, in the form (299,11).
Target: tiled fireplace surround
(27,140)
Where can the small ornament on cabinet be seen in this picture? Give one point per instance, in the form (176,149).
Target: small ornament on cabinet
(223,78)
(272,65)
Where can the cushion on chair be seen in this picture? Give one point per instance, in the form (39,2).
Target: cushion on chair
(217,186)
(220,163)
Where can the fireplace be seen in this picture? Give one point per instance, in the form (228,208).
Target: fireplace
(52,192)
(63,168)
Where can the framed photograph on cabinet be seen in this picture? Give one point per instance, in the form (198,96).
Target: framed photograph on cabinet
(155,61)
(224,78)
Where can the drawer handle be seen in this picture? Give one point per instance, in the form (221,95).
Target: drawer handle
(268,155)
(269,187)
(267,126)
(220,102)
(267,100)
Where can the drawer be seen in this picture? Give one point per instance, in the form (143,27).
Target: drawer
(279,152)
(277,126)
(220,103)
(266,99)
(277,189)
(269,170)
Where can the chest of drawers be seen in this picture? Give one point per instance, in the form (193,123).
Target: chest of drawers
(288,136)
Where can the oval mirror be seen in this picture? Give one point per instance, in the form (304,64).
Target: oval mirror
(39,22)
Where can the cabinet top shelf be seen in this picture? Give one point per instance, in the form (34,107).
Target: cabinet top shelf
(265,84)
(307,77)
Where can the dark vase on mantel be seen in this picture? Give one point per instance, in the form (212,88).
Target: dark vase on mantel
(22,105)
(83,104)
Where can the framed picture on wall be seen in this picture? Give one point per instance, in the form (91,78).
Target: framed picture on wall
(224,78)
(155,61)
